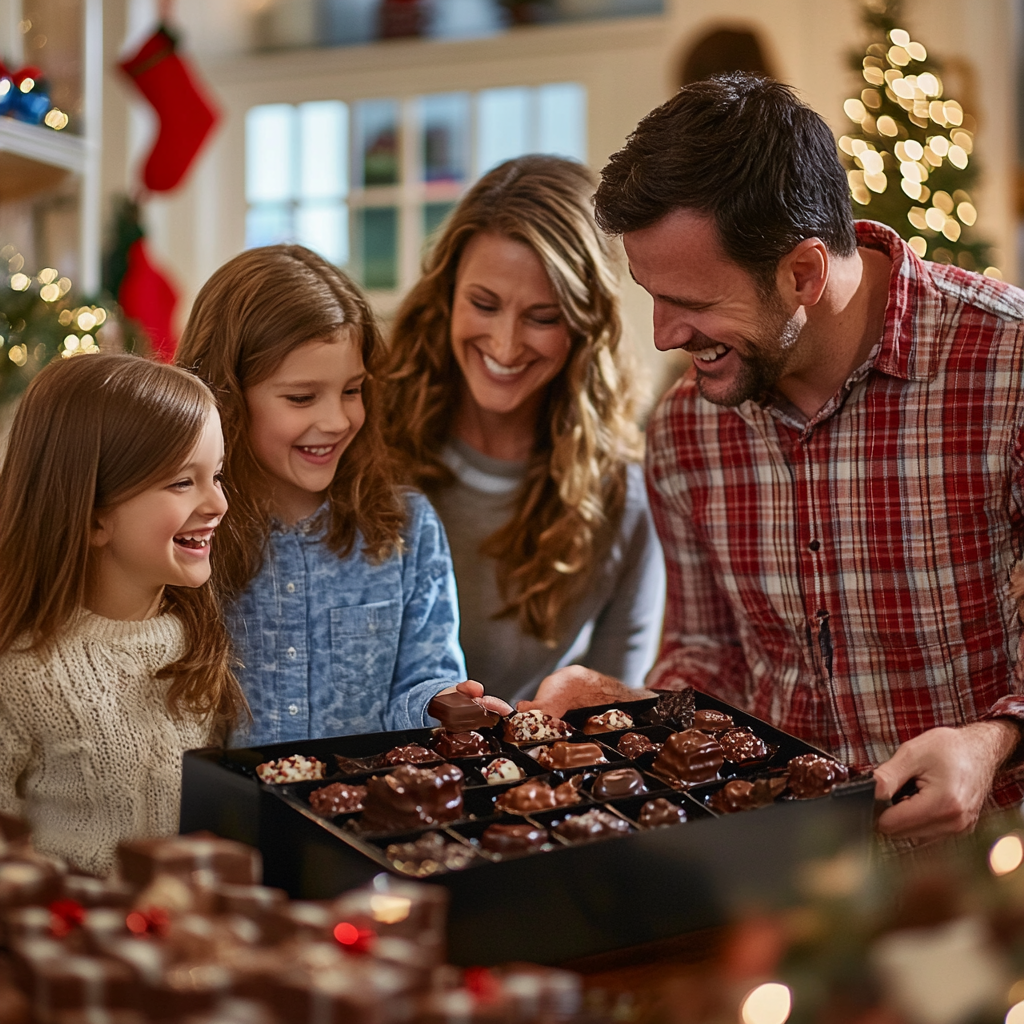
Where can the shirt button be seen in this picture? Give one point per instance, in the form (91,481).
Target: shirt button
(293,709)
(292,652)
(290,588)
(814,545)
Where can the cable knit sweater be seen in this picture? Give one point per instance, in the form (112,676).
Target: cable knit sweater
(88,751)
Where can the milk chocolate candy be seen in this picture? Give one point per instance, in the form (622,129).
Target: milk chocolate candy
(539,796)
(412,797)
(689,758)
(594,824)
(294,768)
(661,812)
(610,721)
(337,798)
(811,775)
(27,881)
(513,838)
(710,721)
(617,783)
(413,753)
(742,795)
(428,855)
(460,744)
(458,713)
(633,744)
(535,727)
(97,892)
(69,982)
(741,746)
(142,860)
(674,708)
(570,755)
(252,901)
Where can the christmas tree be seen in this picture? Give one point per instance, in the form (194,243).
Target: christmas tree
(909,158)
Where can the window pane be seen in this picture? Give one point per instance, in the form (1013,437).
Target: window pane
(445,120)
(433,217)
(269,142)
(378,141)
(323,149)
(323,227)
(504,126)
(378,246)
(268,224)
(562,120)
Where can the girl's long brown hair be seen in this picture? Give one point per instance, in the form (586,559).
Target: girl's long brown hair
(575,489)
(92,432)
(254,311)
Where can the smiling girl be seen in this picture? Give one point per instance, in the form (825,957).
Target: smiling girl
(113,655)
(340,587)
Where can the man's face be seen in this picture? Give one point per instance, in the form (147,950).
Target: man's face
(743,344)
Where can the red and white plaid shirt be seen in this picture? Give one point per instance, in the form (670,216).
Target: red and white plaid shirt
(847,577)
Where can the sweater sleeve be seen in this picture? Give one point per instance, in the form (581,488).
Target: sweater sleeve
(429,656)
(15,743)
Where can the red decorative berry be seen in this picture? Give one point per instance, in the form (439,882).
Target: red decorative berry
(357,941)
(152,921)
(65,915)
(482,983)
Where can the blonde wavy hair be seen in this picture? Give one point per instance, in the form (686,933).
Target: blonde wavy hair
(570,504)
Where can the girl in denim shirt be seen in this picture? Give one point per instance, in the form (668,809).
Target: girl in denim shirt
(339,586)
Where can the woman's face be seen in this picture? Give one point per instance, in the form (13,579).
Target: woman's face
(508,333)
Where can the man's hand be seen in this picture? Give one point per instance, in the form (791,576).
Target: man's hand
(471,688)
(954,769)
(577,687)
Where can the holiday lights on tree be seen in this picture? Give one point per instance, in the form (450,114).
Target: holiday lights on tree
(909,158)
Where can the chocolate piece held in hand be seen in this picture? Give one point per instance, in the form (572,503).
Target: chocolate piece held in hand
(458,713)
(513,838)
(711,721)
(661,812)
(294,768)
(619,782)
(539,796)
(595,824)
(500,770)
(633,744)
(610,721)
(811,775)
(741,746)
(689,758)
(570,755)
(674,709)
(337,798)
(428,855)
(535,727)
(460,744)
(741,795)
(411,754)
(413,797)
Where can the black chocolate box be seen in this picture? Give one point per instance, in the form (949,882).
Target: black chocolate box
(565,901)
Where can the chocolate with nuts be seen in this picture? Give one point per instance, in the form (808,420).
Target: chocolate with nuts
(811,775)
(610,721)
(411,754)
(428,855)
(661,812)
(539,796)
(689,758)
(294,768)
(741,746)
(594,824)
(513,838)
(337,798)
(633,744)
(711,721)
(413,797)
(535,727)
(741,795)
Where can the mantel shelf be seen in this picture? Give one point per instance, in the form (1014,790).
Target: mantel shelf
(43,145)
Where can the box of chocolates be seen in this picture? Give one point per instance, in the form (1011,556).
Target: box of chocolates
(556,839)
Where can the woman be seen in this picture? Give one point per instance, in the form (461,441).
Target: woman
(510,398)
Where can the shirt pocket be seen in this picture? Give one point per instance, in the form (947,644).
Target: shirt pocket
(364,650)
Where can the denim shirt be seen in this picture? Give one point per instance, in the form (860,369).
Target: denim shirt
(333,646)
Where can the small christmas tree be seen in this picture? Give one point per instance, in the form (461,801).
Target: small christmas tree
(909,157)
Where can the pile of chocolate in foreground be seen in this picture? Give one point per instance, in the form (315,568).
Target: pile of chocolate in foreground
(185,934)
(483,789)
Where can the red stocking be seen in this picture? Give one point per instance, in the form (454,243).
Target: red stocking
(148,297)
(186,115)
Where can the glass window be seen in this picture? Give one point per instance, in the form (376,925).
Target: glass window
(323,227)
(445,123)
(268,224)
(433,217)
(269,153)
(378,142)
(378,246)
(562,120)
(503,126)
(323,150)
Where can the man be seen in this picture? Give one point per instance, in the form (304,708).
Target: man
(839,482)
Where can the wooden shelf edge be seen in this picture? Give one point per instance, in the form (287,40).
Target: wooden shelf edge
(43,145)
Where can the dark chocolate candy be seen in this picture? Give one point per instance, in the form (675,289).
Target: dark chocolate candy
(571,755)
(411,754)
(741,746)
(513,838)
(535,727)
(811,775)
(711,721)
(618,782)
(539,796)
(460,744)
(594,824)
(633,744)
(458,713)
(428,855)
(742,795)
(610,721)
(674,708)
(689,757)
(413,797)
(337,798)
(661,812)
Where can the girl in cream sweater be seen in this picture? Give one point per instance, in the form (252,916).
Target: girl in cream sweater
(113,656)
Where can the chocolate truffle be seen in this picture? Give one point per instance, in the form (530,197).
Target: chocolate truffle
(500,770)
(633,744)
(741,746)
(535,727)
(460,744)
(337,798)
(711,721)
(411,754)
(513,838)
(595,824)
(413,797)
(458,713)
(610,721)
(619,782)
(674,708)
(539,796)
(428,855)
(661,812)
(811,775)
(689,758)
(295,768)
(570,755)
(741,795)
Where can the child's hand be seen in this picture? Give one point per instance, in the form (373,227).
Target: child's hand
(471,688)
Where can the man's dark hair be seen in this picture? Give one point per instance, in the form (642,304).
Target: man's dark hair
(745,150)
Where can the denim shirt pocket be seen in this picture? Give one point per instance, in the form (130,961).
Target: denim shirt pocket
(364,649)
